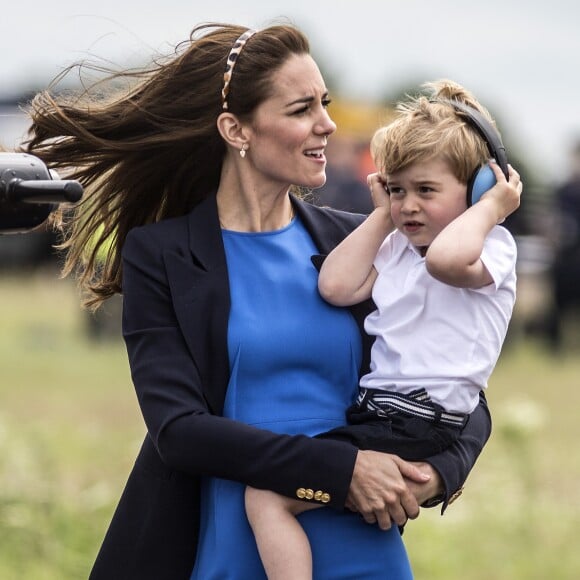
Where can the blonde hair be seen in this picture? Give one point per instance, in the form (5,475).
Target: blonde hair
(427,127)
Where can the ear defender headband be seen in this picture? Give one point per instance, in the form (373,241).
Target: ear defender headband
(483,179)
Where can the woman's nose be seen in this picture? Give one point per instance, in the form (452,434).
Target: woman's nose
(325,125)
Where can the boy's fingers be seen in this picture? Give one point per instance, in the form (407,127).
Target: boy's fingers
(515,178)
(497,171)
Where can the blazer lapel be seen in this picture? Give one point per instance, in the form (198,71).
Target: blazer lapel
(199,283)
(328,229)
(200,289)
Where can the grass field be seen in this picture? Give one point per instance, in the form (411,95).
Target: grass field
(70,430)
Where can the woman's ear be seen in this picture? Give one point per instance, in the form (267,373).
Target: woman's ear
(231,130)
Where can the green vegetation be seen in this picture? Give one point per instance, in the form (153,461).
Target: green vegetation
(519,512)
(70,430)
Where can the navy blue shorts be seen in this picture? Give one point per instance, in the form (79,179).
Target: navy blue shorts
(408,436)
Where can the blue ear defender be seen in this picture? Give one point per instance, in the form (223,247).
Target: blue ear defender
(481,181)
(483,178)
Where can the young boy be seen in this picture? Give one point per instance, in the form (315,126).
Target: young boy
(442,277)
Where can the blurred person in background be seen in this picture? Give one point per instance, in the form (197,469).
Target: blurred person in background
(565,268)
(442,273)
(344,188)
(189,173)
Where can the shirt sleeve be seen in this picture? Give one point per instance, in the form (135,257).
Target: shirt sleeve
(499,256)
(387,250)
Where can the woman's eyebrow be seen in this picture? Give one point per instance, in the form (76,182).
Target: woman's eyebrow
(301,101)
(308,99)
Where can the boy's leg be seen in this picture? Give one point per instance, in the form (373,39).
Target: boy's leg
(282,543)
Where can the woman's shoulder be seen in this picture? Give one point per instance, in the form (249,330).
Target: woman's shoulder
(327,226)
(340,218)
(173,231)
(160,235)
(337,214)
(168,227)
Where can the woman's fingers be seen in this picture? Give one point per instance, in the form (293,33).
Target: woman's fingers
(378,490)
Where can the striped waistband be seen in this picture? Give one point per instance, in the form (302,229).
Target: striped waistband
(417,403)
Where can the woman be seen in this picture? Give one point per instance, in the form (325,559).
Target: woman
(235,358)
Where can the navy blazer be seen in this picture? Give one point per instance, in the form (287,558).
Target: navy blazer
(175,317)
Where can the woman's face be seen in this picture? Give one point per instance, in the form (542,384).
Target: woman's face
(288,131)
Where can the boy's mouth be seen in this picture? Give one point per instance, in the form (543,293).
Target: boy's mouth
(412,226)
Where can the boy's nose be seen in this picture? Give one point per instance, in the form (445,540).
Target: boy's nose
(409,204)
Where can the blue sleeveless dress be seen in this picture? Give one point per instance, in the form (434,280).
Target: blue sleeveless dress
(294,363)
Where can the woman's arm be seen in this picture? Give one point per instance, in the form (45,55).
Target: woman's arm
(190,438)
(170,390)
(453,465)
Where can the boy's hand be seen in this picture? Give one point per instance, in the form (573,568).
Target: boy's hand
(379,193)
(504,194)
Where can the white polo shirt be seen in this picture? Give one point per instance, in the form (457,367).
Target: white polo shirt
(435,336)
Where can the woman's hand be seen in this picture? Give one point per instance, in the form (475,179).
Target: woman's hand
(428,489)
(379,490)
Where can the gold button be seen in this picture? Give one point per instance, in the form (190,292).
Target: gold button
(309,494)
(301,493)
(318,495)
(325,498)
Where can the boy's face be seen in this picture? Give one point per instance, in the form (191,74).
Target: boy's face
(425,197)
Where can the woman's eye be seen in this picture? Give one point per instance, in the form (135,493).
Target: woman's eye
(326,102)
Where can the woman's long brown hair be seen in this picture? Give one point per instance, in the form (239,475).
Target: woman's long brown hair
(144,143)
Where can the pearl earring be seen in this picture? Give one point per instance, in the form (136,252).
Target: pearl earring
(243,150)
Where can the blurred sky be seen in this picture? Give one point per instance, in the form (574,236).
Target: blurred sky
(521,58)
